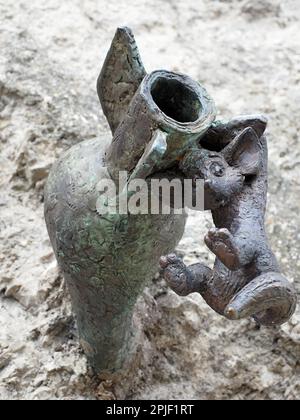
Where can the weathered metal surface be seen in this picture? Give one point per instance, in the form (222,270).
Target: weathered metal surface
(108,260)
(163,126)
(152,108)
(246,279)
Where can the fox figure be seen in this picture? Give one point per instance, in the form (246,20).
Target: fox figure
(246,279)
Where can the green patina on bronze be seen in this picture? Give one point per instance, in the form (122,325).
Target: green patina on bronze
(108,260)
(163,126)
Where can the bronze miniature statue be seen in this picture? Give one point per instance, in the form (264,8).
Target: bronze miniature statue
(246,279)
(163,124)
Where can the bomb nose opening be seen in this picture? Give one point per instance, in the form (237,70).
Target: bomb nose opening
(176,100)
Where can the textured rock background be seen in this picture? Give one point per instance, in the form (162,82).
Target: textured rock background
(247,55)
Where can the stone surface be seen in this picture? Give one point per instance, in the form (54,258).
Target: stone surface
(248,59)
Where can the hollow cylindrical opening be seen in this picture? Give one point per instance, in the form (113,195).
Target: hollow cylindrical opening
(176,100)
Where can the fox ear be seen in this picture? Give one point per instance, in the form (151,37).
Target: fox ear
(120,77)
(244,152)
(222,133)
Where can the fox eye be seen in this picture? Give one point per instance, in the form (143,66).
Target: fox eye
(217,169)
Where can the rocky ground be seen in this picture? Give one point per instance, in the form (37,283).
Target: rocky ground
(247,55)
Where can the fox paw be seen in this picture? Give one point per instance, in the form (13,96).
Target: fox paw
(221,243)
(176,274)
